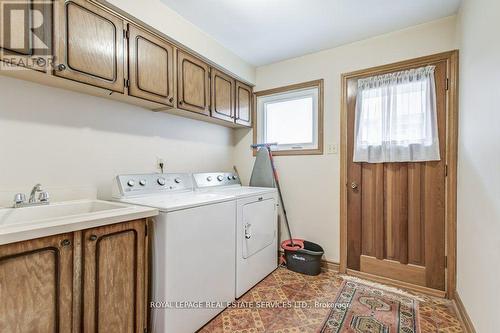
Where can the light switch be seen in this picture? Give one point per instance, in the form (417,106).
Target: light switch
(332,148)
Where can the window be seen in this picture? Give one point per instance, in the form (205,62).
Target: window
(396,118)
(292,117)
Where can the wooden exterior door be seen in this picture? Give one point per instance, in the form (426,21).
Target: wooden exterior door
(89,45)
(151,67)
(193,84)
(243,104)
(114,278)
(36,281)
(34,48)
(396,211)
(222,104)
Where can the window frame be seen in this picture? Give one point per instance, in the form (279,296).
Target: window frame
(258,124)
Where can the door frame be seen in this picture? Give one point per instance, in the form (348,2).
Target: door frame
(451,58)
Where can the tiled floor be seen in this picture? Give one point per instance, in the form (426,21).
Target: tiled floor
(287,302)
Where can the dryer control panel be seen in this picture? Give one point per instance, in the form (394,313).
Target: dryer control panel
(210,179)
(131,185)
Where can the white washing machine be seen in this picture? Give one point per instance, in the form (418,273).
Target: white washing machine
(256,226)
(193,249)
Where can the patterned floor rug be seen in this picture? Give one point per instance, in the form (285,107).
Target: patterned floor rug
(364,309)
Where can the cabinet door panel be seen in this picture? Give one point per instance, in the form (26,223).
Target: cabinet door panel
(26,34)
(36,285)
(151,63)
(113,278)
(243,104)
(222,96)
(193,81)
(89,45)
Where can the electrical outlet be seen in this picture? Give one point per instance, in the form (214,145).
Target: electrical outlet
(332,148)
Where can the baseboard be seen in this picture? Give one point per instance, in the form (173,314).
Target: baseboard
(462,314)
(330,265)
(398,284)
(325,264)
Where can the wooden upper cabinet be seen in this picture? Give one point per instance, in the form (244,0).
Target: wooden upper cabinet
(26,40)
(151,67)
(222,95)
(89,45)
(36,281)
(193,84)
(114,296)
(243,104)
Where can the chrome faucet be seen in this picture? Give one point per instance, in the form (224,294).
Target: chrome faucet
(43,198)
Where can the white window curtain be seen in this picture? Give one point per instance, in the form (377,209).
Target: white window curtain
(396,119)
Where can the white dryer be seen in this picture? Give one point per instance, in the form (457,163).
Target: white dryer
(256,226)
(193,249)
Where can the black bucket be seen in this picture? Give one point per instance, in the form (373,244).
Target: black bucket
(307,260)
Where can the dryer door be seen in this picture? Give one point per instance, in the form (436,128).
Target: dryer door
(259,225)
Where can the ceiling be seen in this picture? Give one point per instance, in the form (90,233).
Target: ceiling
(266,31)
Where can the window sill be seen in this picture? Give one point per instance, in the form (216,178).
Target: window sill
(295,152)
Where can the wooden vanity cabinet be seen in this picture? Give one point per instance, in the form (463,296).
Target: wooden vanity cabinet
(87,281)
(222,95)
(243,105)
(193,80)
(36,285)
(151,67)
(89,45)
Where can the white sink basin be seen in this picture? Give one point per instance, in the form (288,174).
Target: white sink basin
(18,224)
(61,210)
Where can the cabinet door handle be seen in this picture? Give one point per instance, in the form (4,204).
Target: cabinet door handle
(171,99)
(93,238)
(41,62)
(180,102)
(65,242)
(61,67)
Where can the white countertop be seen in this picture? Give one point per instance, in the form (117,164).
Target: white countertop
(18,224)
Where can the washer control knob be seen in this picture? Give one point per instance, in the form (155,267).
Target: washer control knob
(229,178)
(220,178)
(178,180)
(209,178)
(142,182)
(161,181)
(234,177)
(131,183)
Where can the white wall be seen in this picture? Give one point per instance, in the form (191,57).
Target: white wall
(311,183)
(161,17)
(479,163)
(74,144)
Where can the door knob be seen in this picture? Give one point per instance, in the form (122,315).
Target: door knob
(93,238)
(354,185)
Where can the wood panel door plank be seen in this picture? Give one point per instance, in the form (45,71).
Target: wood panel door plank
(416,230)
